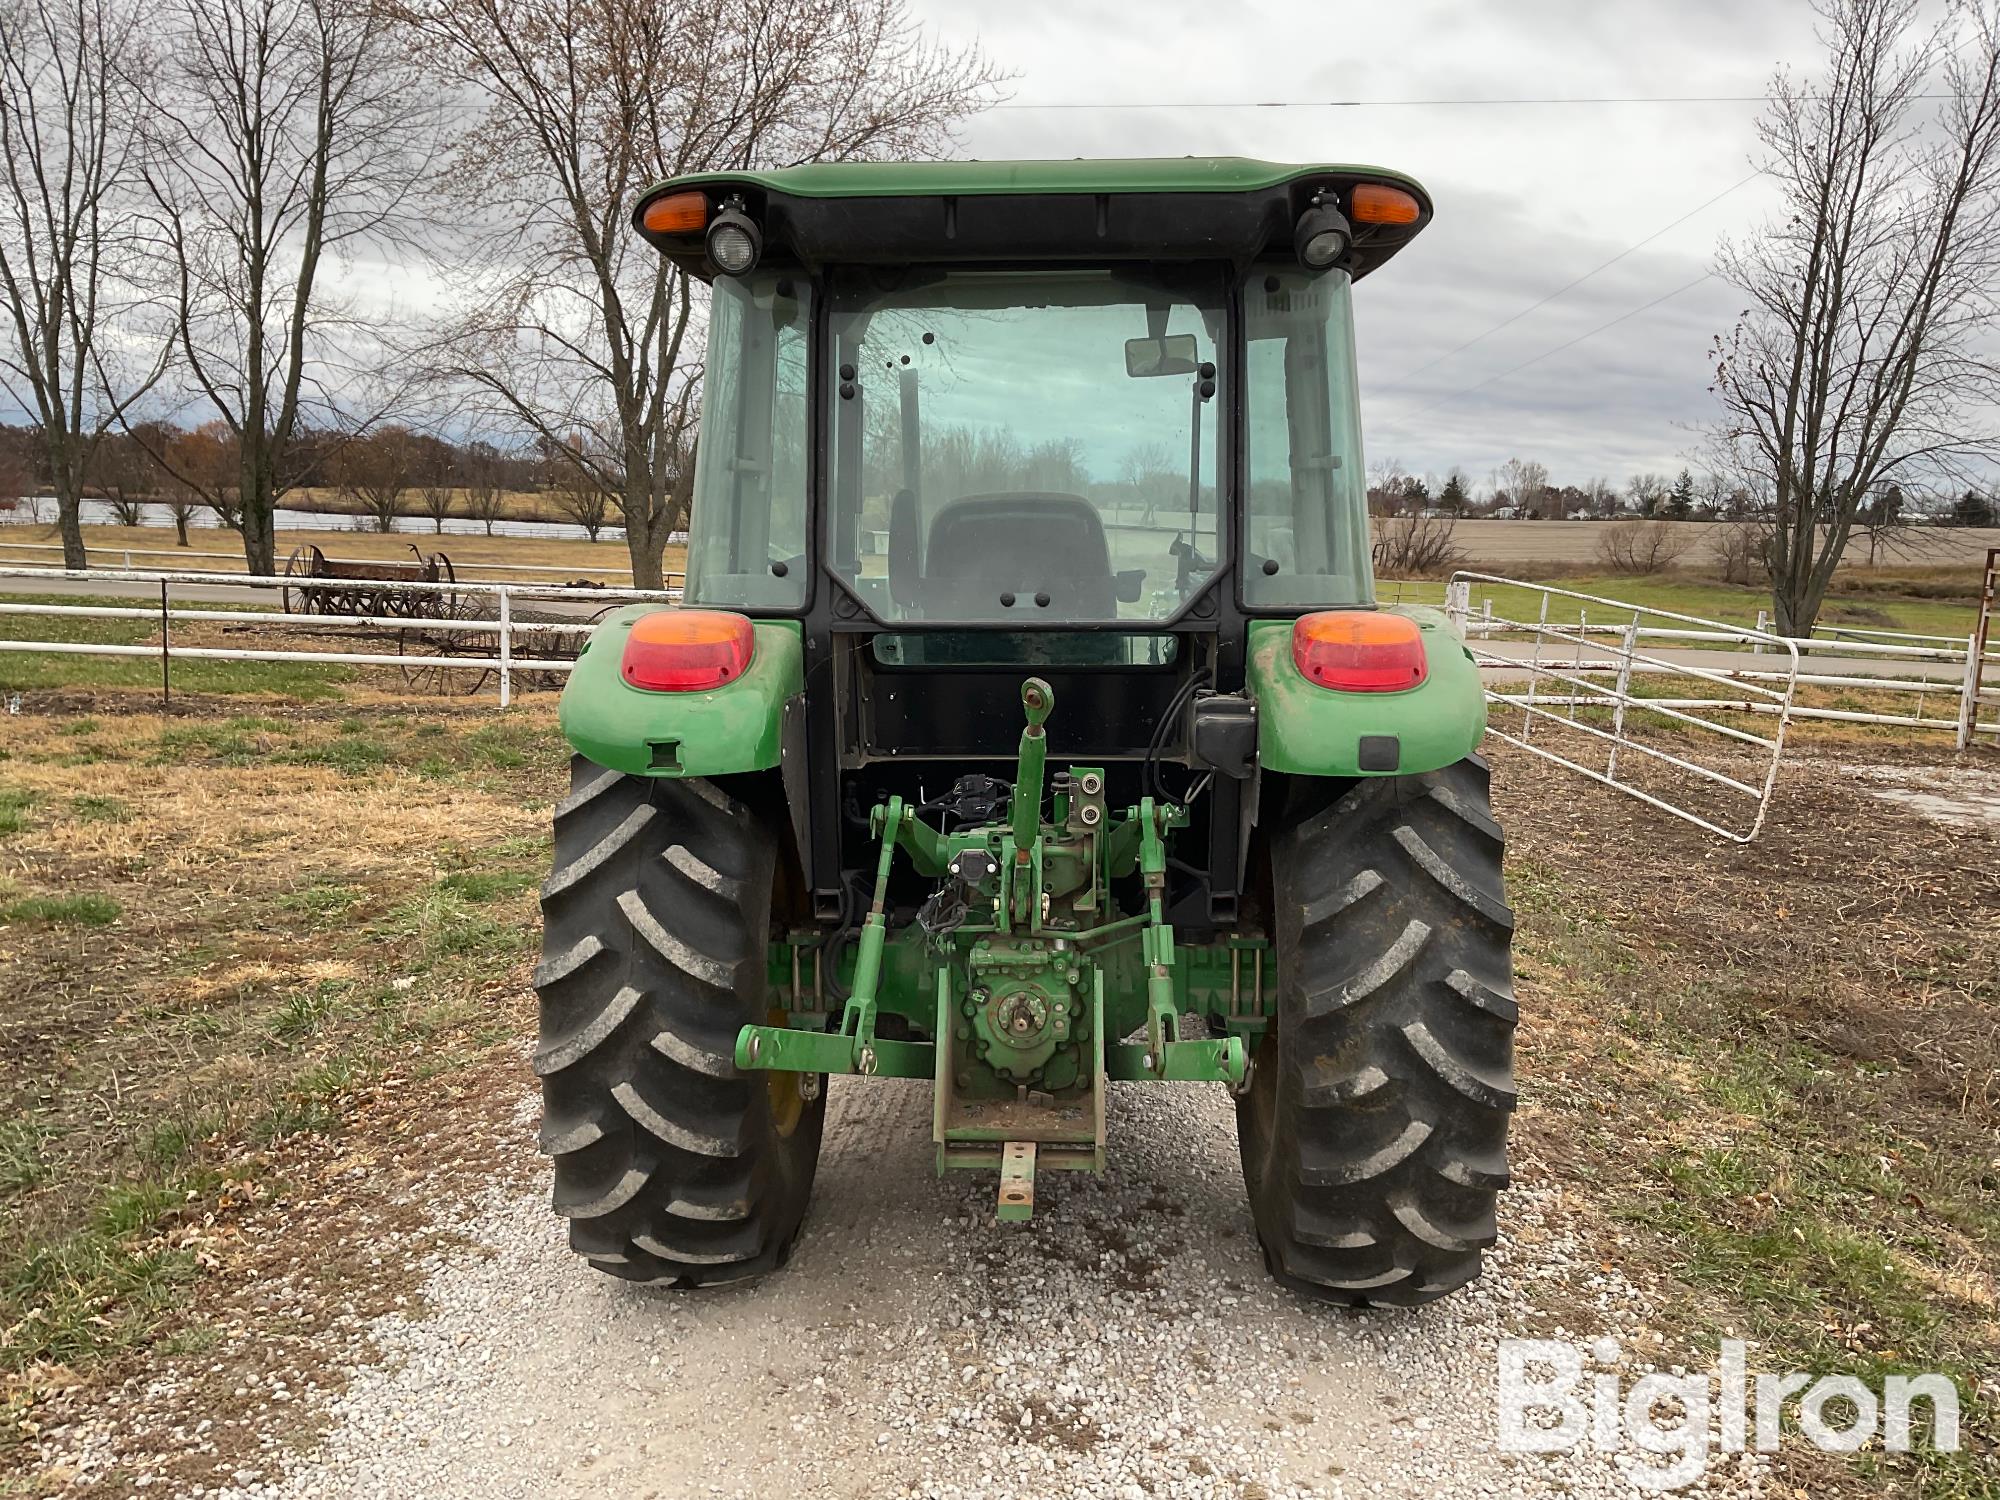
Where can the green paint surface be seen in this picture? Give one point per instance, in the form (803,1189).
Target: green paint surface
(1308,730)
(716,733)
(923,179)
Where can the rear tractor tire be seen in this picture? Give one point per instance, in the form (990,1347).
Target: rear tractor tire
(670,1165)
(1374,1129)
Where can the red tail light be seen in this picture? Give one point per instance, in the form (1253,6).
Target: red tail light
(687,650)
(1360,651)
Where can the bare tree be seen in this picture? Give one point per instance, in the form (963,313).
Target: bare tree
(1863,353)
(570,321)
(204,464)
(181,503)
(1415,545)
(291,132)
(1648,493)
(15,476)
(376,471)
(1526,483)
(1742,549)
(1711,495)
(578,497)
(485,491)
(1642,547)
(70,139)
(121,472)
(434,497)
(1884,518)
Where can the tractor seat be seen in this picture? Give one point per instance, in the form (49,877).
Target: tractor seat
(984,545)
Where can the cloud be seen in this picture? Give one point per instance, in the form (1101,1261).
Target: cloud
(1528,198)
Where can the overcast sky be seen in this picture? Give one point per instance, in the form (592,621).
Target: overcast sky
(1528,198)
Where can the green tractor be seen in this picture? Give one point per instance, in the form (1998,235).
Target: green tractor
(1030,727)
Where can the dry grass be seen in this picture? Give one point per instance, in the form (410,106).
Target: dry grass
(308,917)
(1777,1067)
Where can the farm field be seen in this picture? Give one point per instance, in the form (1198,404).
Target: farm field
(1558,544)
(1575,543)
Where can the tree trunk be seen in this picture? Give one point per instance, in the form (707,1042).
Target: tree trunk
(180,528)
(69,523)
(644,549)
(1796,610)
(260,549)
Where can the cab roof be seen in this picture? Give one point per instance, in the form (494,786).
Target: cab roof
(1173,208)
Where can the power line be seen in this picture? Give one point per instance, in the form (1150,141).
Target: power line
(1186,104)
(1379,103)
(1607,265)
(1569,344)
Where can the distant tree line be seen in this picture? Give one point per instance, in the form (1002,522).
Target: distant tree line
(1520,490)
(381,475)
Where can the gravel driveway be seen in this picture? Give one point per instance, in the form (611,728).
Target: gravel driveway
(1126,1344)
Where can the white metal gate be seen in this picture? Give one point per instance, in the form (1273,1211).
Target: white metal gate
(1567,679)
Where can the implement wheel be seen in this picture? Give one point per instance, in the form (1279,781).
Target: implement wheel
(1374,1131)
(671,1166)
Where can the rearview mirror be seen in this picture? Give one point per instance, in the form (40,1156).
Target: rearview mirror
(1127,585)
(1173,355)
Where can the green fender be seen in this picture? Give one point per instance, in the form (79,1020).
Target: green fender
(1309,730)
(728,729)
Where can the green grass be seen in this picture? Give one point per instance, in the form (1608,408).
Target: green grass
(444,925)
(322,902)
(63,911)
(14,805)
(303,1012)
(22,1162)
(488,885)
(168,1143)
(91,1292)
(89,809)
(20,670)
(508,744)
(349,755)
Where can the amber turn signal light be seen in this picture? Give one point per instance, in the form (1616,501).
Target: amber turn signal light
(1378,203)
(687,650)
(677,213)
(1360,651)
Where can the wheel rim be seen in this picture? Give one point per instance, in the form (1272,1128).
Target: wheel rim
(788,1105)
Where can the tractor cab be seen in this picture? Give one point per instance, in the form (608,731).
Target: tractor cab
(968,420)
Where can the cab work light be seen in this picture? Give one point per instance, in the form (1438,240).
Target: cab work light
(734,241)
(1360,651)
(677,213)
(687,650)
(1378,203)
(1322,234)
